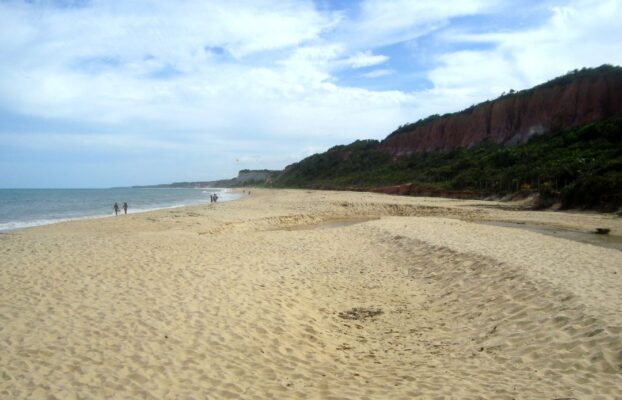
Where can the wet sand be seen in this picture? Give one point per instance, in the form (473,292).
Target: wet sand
(318,295)
(590,237)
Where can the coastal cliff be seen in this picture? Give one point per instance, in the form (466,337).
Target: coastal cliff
(568,101)
(561,139)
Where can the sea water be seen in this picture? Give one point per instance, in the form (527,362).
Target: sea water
(22,208)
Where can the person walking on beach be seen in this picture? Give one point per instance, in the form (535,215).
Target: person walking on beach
(125,207)
(116,209)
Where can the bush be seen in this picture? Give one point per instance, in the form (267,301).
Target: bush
(580,166)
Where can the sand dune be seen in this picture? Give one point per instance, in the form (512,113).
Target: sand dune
(316,295)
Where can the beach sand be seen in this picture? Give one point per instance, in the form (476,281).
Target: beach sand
(311,294)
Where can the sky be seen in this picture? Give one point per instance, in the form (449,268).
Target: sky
(131,92)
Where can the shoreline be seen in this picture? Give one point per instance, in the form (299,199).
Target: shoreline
(311,294)
(37,223)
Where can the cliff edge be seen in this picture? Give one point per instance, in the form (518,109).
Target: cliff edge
(580,97)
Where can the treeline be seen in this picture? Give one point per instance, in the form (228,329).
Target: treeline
(580,167)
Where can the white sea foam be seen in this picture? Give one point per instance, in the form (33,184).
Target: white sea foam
(12,225)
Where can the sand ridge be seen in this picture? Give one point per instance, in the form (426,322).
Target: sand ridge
(414,300)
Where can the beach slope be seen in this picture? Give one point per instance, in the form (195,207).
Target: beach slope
(318,295)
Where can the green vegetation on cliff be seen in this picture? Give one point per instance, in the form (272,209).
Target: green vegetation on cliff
(582,167)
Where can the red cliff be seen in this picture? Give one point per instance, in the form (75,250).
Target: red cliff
(577,98)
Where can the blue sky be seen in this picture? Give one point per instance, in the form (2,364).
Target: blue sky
(111,93)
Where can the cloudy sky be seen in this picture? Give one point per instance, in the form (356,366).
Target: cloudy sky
(110,93)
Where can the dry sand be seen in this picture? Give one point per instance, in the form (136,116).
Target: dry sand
(319,295)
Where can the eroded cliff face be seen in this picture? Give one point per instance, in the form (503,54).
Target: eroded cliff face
(559,104)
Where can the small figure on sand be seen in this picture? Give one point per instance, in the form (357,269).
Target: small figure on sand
(125,207)
(116,209)
(213,198)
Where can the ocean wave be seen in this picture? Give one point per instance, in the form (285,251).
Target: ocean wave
(23,224)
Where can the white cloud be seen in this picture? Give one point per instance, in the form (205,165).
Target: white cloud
(378,73)
(381,22)
(365,59)
(89,141)
(579,34)
(94,63)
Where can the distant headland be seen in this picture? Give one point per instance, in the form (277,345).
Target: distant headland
(246,177)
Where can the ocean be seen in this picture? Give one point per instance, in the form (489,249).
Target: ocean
(23,208)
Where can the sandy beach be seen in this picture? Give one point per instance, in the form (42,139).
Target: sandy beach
(315,295)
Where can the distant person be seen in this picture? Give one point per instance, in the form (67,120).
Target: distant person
(215,198)
(116,209)
(125,207)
